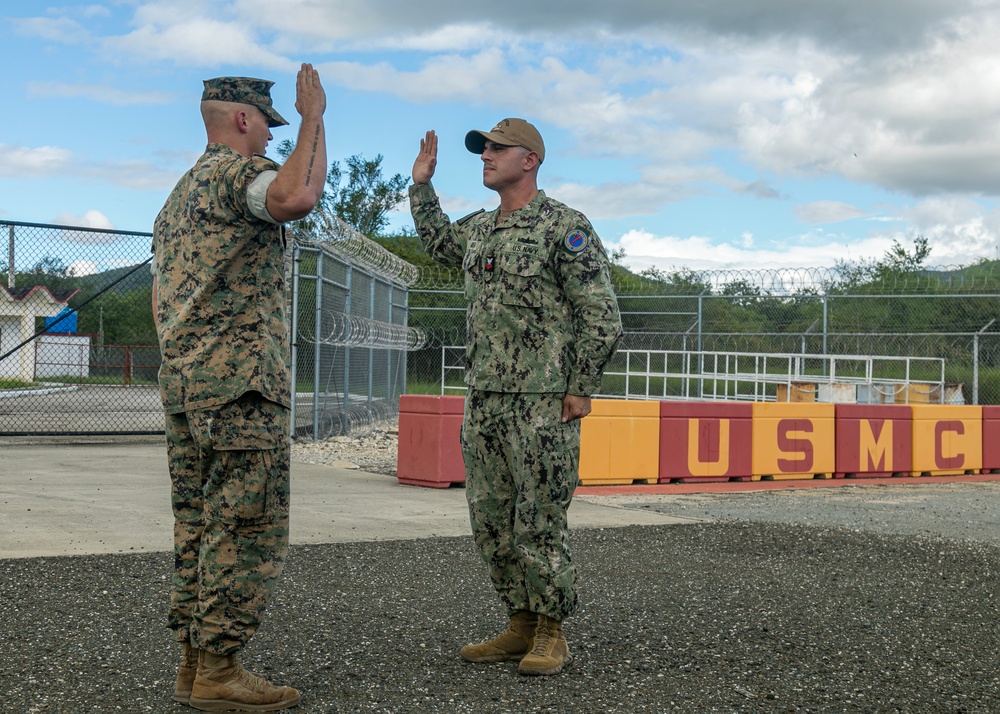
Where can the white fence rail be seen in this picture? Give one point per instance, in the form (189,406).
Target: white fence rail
(764,377)
(759,377)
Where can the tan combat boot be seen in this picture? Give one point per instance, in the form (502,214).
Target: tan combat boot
(549,652)
(186,673)
(223,685)
(509,646)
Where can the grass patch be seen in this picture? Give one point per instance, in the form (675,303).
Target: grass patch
(13,383)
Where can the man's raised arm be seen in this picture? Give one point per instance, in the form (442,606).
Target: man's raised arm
(302,178)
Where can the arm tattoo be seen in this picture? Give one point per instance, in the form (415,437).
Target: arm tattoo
(312,157)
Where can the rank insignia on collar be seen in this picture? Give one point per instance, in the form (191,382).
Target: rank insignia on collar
(576,241)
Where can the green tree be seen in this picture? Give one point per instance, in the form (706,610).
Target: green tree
(366,198)
(895,265)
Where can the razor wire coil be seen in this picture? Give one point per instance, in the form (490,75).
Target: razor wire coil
(338,329)
(329,231)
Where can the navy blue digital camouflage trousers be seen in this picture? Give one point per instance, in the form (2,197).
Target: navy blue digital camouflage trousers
(229,474)
(521,469)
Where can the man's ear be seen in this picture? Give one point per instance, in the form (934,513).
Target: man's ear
(242,121)
(531,161)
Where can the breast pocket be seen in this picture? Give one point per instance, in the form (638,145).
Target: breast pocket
(521,278)
(472,269)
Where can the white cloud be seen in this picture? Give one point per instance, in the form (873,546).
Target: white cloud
(53,29)
(97,93)
(21,162)
(958,231)
(133,175)
(920,121)
(827,212)
(90,219)
(617,200)
(442,78)
(644,250)
(900,94)
(194,41)
(684,99)
(26,162)
(79,268)
(882,26)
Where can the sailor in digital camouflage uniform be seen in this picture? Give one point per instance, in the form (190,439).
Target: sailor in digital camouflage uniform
(218,303)
(542,323)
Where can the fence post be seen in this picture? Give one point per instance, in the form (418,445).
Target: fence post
(11,274)
(317,326)
(975,361)
(701,357)
(826,324)
(293,333)
(371,350)
(127,367)
(348,310)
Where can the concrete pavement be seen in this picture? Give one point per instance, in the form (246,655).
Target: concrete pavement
(76,499)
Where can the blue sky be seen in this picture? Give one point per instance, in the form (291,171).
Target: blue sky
(693,134)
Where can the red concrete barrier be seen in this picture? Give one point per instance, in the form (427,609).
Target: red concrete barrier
(873,440)
(430,453)
(991,439)
(705,441)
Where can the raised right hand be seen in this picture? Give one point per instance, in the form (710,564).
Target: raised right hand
(426,161)
(310,97)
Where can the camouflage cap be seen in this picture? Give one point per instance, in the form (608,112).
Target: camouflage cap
(509,132)
(244,90)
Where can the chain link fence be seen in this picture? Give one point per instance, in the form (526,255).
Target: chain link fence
(349,306)
(948,313)
(91,372)
(79,354)
(368,326)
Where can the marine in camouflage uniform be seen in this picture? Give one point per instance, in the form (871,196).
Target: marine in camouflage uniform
(542,323)
(224,380)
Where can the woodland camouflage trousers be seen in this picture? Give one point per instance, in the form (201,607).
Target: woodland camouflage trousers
(229,474)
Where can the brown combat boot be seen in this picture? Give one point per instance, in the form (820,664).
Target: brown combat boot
(223,685)
(186,673)
(549,652)
(509,646)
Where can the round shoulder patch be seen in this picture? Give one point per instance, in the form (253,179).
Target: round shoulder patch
(576,241)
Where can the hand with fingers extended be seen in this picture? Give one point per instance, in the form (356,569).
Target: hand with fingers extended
(310,97)
(426,161)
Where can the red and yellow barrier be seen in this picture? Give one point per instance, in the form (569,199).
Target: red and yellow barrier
(620,442)
(991,439)
(637,441)
(947,439)
(705,441)
(873,440)
(792,441)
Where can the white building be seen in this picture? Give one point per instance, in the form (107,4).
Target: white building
(19,310)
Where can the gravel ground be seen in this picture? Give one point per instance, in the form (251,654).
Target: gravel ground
(372,450)
(863,599)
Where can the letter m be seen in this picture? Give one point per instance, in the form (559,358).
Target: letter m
(876,442)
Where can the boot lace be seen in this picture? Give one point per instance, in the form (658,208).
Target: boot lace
(251,680)
(542,639)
